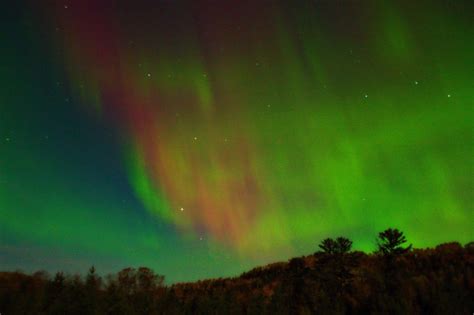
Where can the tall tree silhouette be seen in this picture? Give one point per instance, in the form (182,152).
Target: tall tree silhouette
(390,242)
(334,270)
(93,285)
(343,245)
(340,245)
(328,246)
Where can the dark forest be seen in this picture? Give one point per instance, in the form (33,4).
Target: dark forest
(396,279)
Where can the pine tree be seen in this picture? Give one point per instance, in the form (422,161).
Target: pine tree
(343,245)
(328,246)
(390,242)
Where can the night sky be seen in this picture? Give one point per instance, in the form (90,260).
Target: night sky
(203,138)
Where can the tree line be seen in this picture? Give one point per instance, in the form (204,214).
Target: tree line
(395,279)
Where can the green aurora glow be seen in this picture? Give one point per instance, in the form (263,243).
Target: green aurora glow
(272,126)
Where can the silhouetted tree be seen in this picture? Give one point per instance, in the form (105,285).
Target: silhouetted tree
(390,242)
(147,290)
(469,246)
(93,286)
(328,246)
(343,245)
(340,245)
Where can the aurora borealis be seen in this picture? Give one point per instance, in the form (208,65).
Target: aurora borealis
(202,138)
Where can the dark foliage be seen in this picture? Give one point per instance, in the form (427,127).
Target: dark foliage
(340,245)
(328,246)
(335,281)
(343,245)
(390,242)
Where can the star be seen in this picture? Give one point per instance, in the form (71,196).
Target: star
(65,6)
(449,95)
(149,75)
(182,209)
(366,95)
(416,82)
(195,138)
